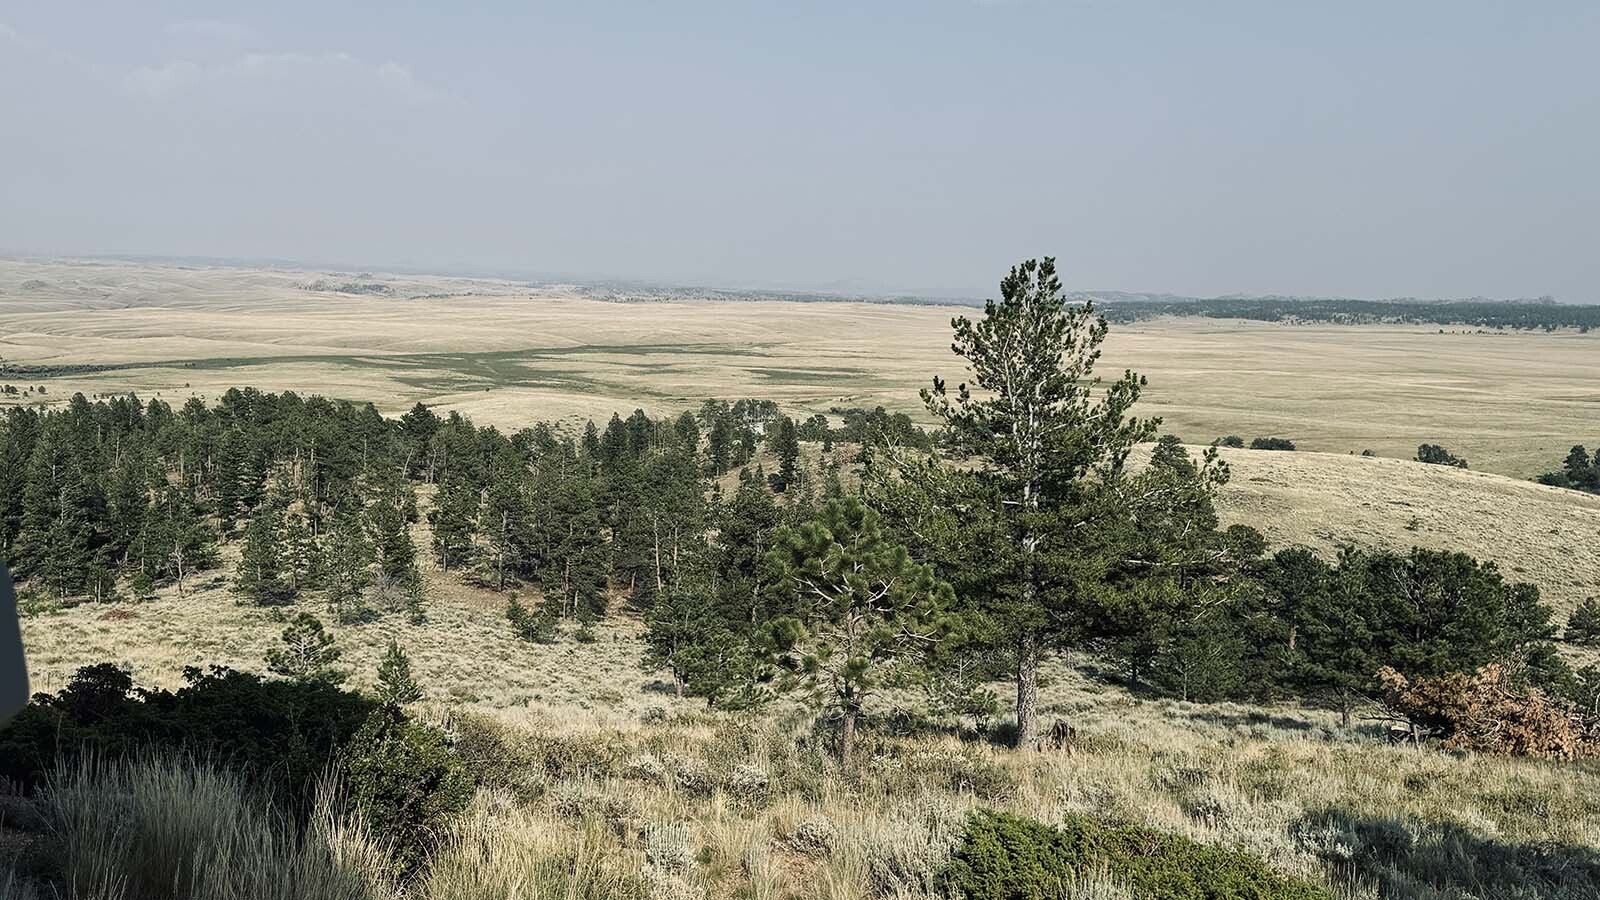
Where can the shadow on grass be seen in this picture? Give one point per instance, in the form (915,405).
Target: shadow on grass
(1411,860)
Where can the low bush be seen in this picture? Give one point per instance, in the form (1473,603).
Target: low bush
(1271,443)
(1005,857)
(1435,455)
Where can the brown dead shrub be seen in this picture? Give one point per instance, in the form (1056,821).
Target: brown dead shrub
(1491,711)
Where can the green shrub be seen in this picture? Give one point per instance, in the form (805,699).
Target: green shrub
(406,781)
(1005,857)
(283,732)
(1583,626)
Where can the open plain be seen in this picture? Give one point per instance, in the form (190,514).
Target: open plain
(508,354)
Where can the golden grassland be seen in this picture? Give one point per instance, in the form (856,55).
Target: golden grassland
(508,354)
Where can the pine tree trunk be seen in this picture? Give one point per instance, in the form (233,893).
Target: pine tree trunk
(847,738)
(1028,693)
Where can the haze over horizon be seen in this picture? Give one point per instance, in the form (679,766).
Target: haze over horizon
(1435,150)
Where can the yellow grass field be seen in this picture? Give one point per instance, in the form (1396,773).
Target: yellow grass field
(508,354)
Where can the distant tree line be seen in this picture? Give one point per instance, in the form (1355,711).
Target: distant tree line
(1544,314)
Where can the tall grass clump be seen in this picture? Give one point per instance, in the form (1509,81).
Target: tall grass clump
(151,827)
(500,850)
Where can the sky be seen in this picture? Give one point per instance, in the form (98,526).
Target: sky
(1427,149)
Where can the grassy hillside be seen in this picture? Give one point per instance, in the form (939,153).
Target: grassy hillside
(1544,535)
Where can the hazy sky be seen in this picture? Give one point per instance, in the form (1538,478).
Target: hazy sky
(1363,149)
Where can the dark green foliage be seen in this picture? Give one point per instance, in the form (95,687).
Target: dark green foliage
(1232,440)
(308,652)
(265,573)
(285,732)
(391,540)
(396,686)
(1579,471)
(1435,455)
(343,568)
(784,442)
(455,524)
(405,778)
(858,613)
(1006,857)
(1271,443)
(1583,625)
(536,626)
(174,541)
(1050,442)
(1323,631)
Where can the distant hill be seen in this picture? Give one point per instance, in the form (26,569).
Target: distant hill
(1544,535)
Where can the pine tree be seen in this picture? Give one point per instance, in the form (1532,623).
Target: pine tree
(720,443)
(861,613)
(345,560)
(687,431)
(579,559)
(299,551)
(391,540)
(455,524)
(1583,625)
(786,445)
(535,626)
(1049,449)
(239,479)
(506,520)
(396,686)
(175,540)
(263,574)
(308,653)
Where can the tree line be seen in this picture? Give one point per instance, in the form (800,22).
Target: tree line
(1544,314)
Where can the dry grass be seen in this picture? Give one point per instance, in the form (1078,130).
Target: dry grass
(609,807)
(507,355)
